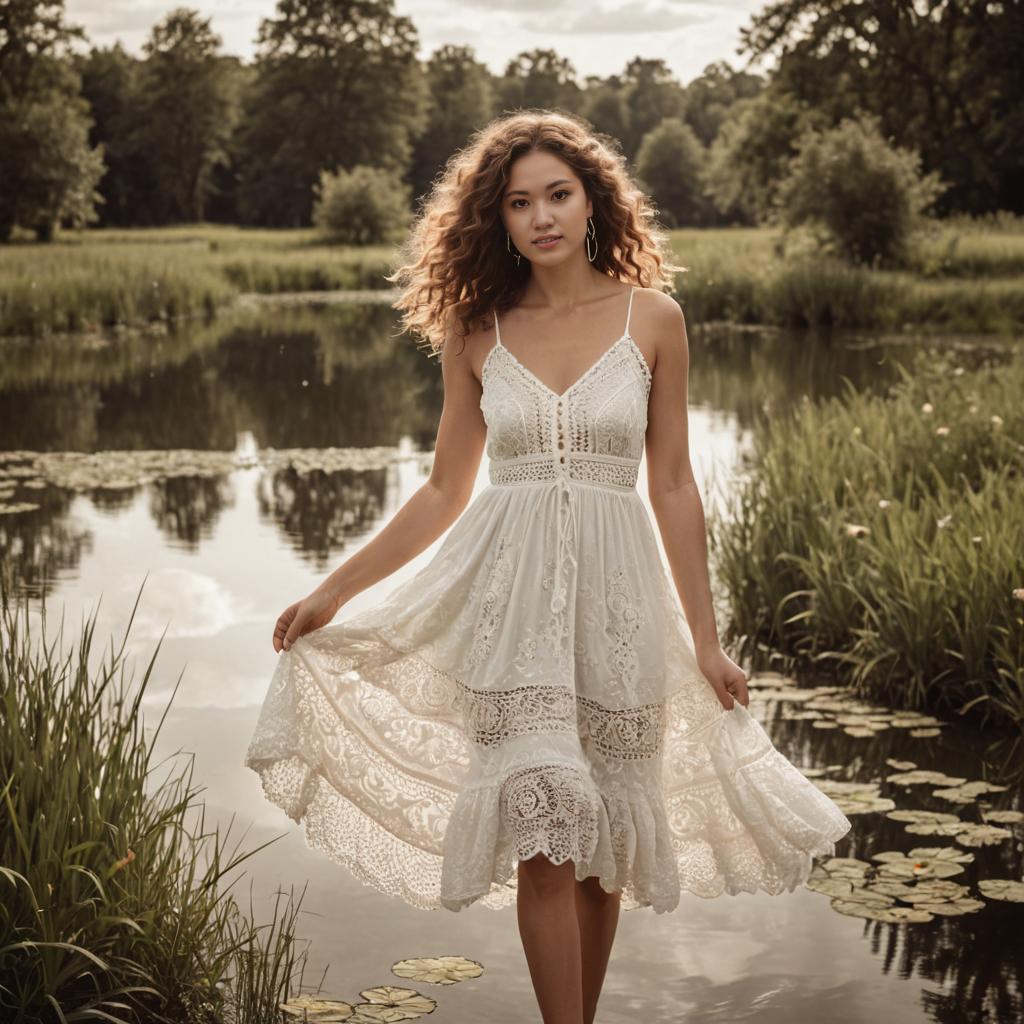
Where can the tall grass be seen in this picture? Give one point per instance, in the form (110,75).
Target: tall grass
(115,906)
(881,537)
(90,280)
(966,275)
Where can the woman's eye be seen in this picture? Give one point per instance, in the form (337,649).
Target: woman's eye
(560,192)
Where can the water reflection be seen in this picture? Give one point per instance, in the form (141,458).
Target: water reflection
(250,456)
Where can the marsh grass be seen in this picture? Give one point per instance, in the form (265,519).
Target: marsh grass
(91,280)
(881,537)
(965,276)
(115,901)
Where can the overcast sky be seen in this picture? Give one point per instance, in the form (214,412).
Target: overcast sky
(598,38)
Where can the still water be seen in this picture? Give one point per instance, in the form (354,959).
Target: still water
(224,469)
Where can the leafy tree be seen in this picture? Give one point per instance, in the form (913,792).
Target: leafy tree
(48,170)
(868,196)
(750,157)
(711,97)
(361,206)
(943,76)
(187,112)
(110,84)
(651,93)
(539,78)
(337,84)
(460,101)
(604,106)
(669,163)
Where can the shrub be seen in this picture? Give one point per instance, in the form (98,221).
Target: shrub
(865,197)
(361,206)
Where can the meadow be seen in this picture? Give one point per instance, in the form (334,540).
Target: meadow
(966,275)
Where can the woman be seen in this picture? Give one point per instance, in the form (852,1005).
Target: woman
(531,716)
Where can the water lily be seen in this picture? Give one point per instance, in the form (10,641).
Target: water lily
(884,502)
(997,420)
(927,408)
(1018,593)
(942,431)
(856,530)
(944,521)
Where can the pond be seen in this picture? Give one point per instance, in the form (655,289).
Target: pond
(226,468)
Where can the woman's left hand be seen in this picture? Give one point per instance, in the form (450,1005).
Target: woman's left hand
(726,677)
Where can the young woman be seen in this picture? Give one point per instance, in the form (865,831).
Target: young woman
(538,715)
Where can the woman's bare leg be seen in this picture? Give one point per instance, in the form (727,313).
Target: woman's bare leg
(597,912)
(548,927)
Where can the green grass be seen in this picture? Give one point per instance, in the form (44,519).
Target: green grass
(881,538)
(115,906)
(95,279)
(965,276)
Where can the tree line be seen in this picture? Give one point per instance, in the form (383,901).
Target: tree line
(185,132)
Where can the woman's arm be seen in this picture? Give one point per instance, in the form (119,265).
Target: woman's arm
(423,518)
(674,496)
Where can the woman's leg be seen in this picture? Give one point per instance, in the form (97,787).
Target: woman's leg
(548,927)
(597,912)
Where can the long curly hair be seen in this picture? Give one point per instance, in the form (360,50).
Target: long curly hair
(454,266)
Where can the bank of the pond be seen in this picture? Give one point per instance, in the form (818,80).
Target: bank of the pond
(114,905)
(969,276)
(881,537)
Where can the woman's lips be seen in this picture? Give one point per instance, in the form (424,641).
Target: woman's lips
(547,244)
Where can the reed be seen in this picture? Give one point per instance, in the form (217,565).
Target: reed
(880,537)
(90,280)
(117,904)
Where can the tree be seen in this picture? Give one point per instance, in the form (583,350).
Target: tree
(669,164)
(751,154)
(943,76)
(337,84)
(460,102)
(651,93)
(711,97)
(539,79)
(188,112)
(868,196)
(48,170)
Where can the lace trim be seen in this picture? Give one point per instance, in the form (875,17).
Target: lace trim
(584,467)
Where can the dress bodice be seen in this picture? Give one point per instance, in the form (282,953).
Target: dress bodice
(591,432)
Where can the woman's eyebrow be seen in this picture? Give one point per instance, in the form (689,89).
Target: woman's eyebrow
(523,192)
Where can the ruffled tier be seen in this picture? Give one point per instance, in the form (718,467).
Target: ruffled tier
(362,744)
(467,721)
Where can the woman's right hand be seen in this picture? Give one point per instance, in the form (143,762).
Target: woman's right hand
(303,617)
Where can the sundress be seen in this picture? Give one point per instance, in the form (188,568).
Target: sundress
(534,689)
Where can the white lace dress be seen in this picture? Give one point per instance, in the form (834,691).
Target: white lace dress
(534,689)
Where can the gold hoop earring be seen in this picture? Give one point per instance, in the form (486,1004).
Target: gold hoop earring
(591,233)
(508,246)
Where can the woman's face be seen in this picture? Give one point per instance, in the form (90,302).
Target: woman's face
(544,197)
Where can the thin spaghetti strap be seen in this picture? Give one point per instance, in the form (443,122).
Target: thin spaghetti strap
(497,330)
(629,309)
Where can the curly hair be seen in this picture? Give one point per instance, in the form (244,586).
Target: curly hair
(454,265)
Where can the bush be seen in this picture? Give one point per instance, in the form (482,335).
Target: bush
(669,165)
(361,206)
(866,197)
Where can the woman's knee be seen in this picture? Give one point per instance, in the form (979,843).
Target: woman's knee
(541,875)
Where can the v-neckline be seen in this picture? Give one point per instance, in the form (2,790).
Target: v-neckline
(579,380)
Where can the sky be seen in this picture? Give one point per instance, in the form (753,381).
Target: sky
(599,38)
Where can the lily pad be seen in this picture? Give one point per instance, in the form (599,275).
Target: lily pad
(919,776)
(1002,889)
(954,908)
(310,1008)
(1004,817)
(983,835)
(388,1003)
(438,970)
(903,766)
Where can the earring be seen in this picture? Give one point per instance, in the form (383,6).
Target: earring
(508,245)
(591,233)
